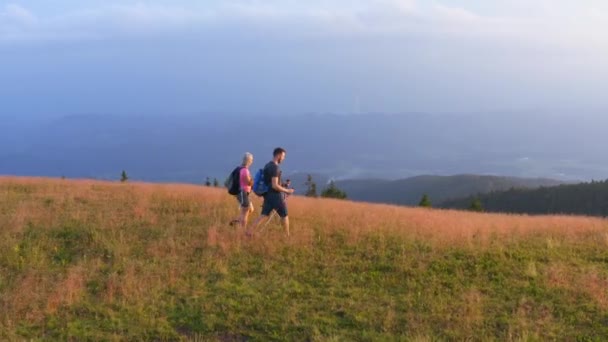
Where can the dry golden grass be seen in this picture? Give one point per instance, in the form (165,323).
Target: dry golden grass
(69,290)
(573,277)
(112,204)
(178,220)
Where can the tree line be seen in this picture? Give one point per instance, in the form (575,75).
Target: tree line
(331,191)
(579,199)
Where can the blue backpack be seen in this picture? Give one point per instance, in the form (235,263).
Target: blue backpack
(260,187)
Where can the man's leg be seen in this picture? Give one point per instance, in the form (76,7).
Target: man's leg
(256,223)
(282,212)
(285,221)
(270,217)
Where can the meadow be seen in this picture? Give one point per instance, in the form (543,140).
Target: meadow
(90,260)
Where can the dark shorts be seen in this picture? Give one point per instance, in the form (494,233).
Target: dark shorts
(274,201)
(243,198)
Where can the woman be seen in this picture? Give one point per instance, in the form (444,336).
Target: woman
(246,182)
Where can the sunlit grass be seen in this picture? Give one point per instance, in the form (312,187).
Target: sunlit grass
(106,261)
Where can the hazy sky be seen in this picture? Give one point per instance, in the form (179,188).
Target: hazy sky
(101,56)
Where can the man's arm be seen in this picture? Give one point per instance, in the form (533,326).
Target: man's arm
(278,187)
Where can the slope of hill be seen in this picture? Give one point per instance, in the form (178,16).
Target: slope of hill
(439,188)
(86,260)
(580,199)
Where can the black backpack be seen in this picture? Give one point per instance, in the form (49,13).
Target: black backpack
(233,182)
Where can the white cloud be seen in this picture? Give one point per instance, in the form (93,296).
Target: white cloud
(17,15)
(19,24)
(14,22)
(138,18)
(455,14)
(532,21)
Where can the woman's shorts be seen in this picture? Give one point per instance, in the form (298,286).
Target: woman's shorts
(243,198)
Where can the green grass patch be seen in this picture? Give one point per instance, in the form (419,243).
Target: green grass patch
(161,277)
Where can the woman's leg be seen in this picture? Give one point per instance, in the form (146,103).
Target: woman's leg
(244,217)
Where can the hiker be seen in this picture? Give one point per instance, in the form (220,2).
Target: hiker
(273,198)
(245,183)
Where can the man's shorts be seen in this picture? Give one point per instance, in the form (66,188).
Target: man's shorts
(243,198)
(274,201)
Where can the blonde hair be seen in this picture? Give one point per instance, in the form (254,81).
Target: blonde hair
(246,158)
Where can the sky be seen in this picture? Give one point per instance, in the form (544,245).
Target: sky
(70,57)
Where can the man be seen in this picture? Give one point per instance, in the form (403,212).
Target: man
(273,199)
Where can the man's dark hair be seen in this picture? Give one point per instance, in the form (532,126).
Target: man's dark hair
(278,151)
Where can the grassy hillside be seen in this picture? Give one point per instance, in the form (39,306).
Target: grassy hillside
(84,260)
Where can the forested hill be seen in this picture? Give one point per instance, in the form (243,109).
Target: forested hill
(581,199)
(439,188)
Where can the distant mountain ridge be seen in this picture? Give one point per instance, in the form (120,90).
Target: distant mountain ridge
(190,148)
(409,191)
